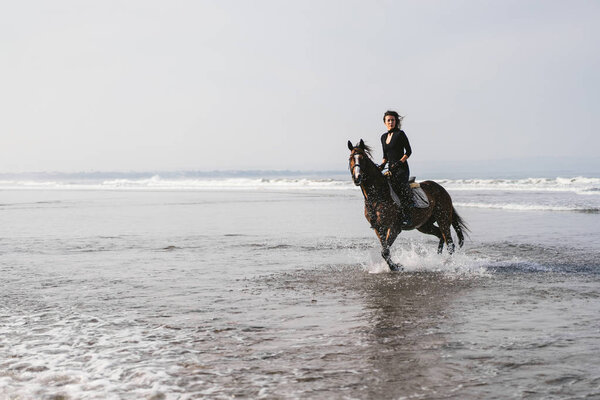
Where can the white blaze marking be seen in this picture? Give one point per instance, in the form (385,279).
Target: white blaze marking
(356,167)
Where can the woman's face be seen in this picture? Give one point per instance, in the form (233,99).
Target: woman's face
(390,122)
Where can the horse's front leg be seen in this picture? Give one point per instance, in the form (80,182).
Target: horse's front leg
(387,238)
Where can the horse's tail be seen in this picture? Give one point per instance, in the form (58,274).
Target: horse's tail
(459,226)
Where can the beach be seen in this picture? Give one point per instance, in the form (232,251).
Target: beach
(275,288)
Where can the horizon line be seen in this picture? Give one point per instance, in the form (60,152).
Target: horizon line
(584,161)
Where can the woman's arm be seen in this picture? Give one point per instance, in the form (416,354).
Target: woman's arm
(407,148)
(384,161)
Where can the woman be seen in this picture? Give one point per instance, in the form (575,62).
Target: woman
(396,150)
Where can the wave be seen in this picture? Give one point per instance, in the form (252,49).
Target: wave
(231,183)
(529,207)
(579,185)
(158,183)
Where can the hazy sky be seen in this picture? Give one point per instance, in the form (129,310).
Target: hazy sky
(204,85)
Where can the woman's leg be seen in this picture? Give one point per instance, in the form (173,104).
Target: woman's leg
(400,175)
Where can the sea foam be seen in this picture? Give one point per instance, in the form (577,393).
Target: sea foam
(527,207)
(579,185)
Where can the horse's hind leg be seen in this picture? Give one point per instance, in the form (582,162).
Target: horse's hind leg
(445,229)
(430,229)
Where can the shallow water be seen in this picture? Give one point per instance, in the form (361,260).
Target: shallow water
(283,294)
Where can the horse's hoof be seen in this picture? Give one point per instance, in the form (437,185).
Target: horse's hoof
(396,268)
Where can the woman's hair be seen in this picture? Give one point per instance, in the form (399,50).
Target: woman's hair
(395,115)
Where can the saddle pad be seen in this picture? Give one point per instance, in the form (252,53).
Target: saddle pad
(419,197)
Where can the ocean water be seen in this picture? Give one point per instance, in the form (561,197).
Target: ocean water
(187,287)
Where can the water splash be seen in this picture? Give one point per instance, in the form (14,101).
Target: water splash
(417,256)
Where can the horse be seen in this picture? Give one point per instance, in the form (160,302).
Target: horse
(385,216)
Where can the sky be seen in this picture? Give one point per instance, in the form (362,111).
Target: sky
(228,85)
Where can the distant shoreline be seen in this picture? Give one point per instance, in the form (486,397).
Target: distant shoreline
(517,168)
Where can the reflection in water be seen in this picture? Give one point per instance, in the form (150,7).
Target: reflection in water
(407,319)
(381,336)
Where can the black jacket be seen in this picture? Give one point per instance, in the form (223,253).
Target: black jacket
(398,147)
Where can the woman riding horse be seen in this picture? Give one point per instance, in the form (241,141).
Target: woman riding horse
(384,216)
(396,150)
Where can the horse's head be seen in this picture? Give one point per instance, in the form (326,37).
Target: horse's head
(360,161)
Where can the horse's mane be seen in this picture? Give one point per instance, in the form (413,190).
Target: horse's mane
(366,150)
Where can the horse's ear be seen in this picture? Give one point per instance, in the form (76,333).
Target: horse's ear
(350,145)
(361,144)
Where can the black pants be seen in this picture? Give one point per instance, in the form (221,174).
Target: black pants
(400,175)
(400,172)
